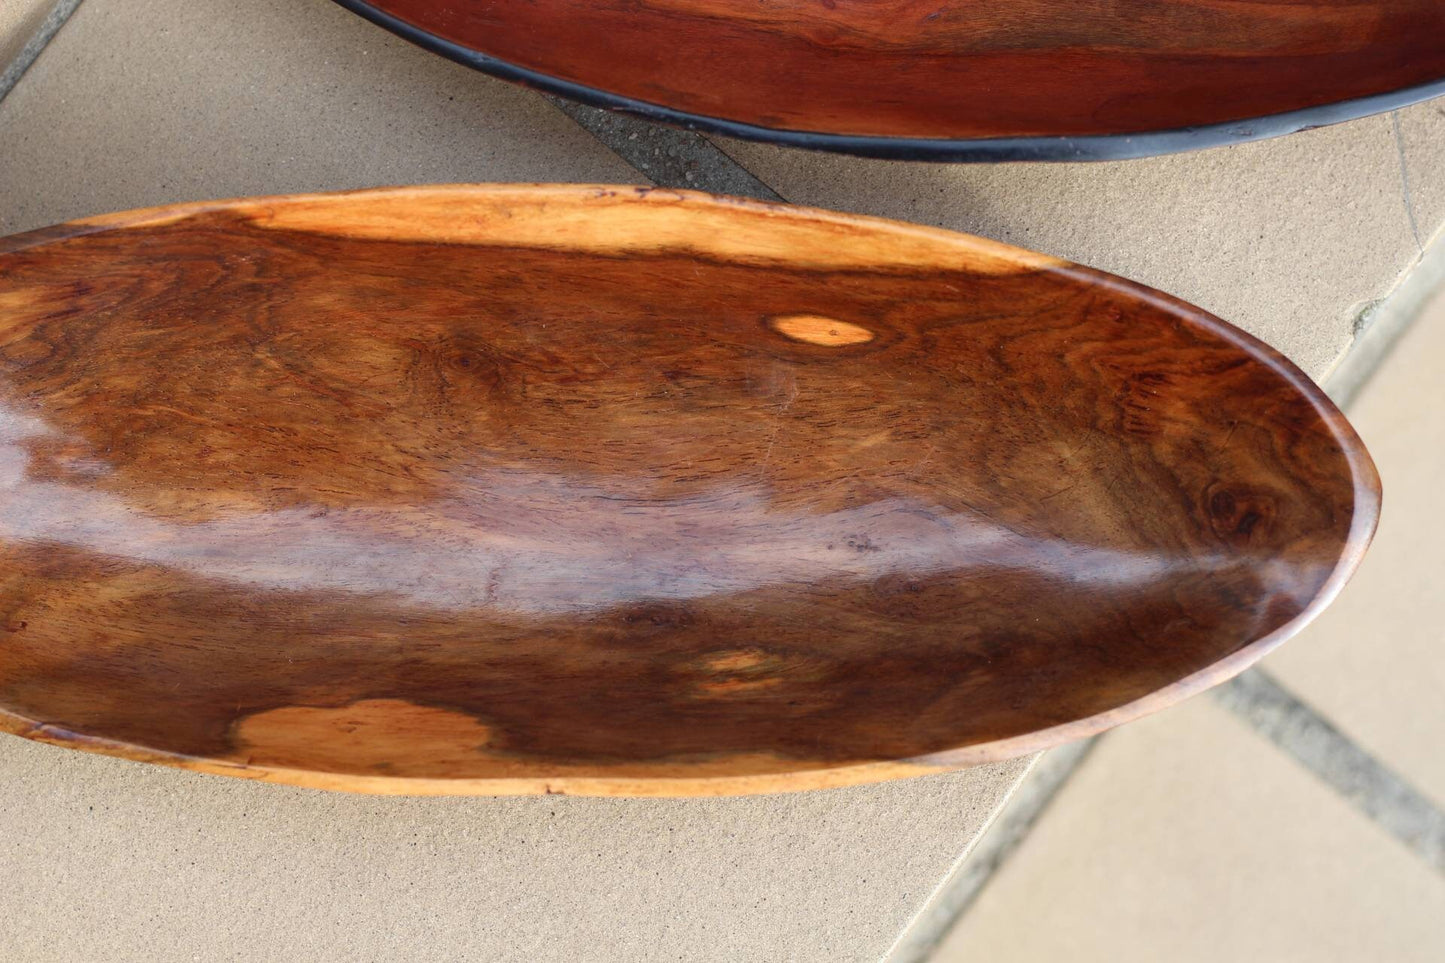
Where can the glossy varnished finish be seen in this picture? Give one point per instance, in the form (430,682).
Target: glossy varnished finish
(609,490)
(984,79)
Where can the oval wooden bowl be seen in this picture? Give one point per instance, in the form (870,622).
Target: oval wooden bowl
(941,80)
(626,491)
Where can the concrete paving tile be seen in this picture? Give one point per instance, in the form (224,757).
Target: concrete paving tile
(1374,662)
(1288,238)
(142,102)
(117,861)
(1185,837)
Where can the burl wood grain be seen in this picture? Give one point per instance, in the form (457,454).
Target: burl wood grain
(615,490)
(966,69)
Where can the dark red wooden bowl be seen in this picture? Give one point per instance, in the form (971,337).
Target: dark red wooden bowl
(615,490)
(955,80)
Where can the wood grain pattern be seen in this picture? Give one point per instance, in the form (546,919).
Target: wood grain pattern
(958,70)
(618,490)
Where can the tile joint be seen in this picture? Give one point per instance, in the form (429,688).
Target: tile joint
(1405,194)
(1382,322)
(1310,739)
(38,41)
(1011,826)
(667,156)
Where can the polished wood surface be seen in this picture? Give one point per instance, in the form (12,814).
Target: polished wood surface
(958,70)
(620,490)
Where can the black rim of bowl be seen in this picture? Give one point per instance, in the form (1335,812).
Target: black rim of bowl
(1089,147)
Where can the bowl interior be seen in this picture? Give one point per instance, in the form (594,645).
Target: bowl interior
(291,487)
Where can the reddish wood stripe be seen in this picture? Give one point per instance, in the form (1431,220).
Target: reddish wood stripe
(980,69)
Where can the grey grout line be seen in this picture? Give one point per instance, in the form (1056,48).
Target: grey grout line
(1380,327)
(47,30)
(1405,192)
(1274,713)
(665,155)
(1396,806)
(956,894)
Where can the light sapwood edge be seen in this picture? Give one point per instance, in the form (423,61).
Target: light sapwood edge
(608,219)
